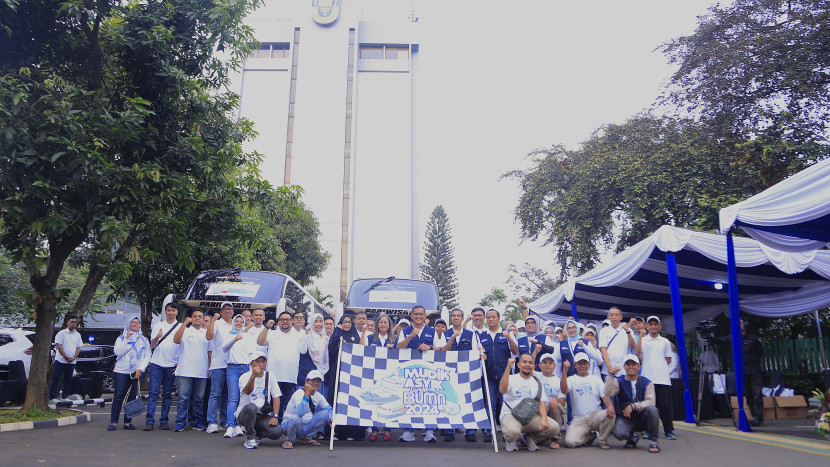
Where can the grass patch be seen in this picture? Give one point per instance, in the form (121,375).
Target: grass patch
(32,415)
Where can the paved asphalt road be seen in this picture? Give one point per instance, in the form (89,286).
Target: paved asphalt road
(89,444)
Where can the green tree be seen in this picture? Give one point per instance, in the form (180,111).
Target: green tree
(327,300)
(14,287)
(494,298)
(439,259)
(112,115)
(760,70)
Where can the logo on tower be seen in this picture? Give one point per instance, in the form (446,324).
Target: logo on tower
(325,11)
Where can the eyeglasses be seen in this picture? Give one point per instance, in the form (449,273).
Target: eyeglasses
(285,319)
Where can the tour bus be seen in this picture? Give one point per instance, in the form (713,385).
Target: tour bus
(246,290)
(392,296)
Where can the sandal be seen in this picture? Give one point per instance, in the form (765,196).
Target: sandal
(632,443)
(310,442)
(554,445)
(604,446)
(653,448)
(288,445)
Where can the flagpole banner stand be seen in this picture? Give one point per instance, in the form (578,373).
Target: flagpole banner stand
(406,388)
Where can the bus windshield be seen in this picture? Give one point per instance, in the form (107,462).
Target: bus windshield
(392,293)
(237,286)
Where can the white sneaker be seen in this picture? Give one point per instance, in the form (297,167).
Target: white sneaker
(75,397)
(407,437)
(212,428)
(250,444)
(55,400)
(238,431)
(230,432)
(258,441)
(531,444)
(510,447)
(429,436)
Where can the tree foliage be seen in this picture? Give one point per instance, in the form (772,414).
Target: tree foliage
(529,282)
(112,116)
(439,260)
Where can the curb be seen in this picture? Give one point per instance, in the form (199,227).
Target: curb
(82,417)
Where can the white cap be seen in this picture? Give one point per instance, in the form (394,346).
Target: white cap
(651,318)
(547,356)
(631,357)
(581,356)
(257,354)
(520,324)
(557,329)
(314,374)
(606,322)
(530,317)
(225,303)
(404,322)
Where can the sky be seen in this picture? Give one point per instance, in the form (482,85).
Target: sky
(497,83)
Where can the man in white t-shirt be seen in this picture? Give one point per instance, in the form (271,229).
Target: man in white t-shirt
(307,412)
(218,401)
(162,364)
(515,388)
(191,371)
(552,387)
(259,421)
(655,354)
(283,355)
(67,345)
(587,392)
(615,342)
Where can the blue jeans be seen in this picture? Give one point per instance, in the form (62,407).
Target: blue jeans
(292,427)
(234,371)
(122,382)
(191,391)
(161,381)
(218,397)
(61,371)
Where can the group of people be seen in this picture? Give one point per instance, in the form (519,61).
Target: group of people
(266,380)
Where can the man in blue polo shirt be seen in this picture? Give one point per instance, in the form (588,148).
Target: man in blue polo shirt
(417,336)
(458,338)
(497,345)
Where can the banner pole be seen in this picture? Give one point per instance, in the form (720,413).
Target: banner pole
(489,405)
(336,393)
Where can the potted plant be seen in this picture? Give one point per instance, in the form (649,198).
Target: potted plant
(823,412)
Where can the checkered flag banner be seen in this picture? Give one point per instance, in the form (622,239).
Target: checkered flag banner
(406,388)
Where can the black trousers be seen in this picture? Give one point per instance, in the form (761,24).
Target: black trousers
(753,384)
(665,404)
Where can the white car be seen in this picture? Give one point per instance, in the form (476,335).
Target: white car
(16,344)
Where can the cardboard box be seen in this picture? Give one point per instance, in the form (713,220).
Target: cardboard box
(790,407)
(769,408)
(734,403)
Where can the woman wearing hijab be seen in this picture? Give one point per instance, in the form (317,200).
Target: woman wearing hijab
(238,346)
(132,352)
(384,336)
(345,332)
(314,353)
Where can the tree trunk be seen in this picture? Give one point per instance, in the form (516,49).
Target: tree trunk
(146,317)
(37,391)
(93,280)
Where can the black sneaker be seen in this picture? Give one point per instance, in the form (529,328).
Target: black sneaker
(164,427)
(148,427)
(470,437)
(488,437)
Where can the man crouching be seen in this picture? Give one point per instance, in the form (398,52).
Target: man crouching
(255,413)
(635,407)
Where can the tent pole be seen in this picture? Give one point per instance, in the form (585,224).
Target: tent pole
(737,339)
(573,309)
(677,311)
(821,343)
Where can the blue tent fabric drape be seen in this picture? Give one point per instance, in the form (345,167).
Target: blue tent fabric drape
(735,325)
(677,309)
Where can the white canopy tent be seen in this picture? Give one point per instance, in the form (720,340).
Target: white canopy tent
(793,215)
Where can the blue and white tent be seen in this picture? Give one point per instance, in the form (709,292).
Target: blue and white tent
(682,276)
(793,215)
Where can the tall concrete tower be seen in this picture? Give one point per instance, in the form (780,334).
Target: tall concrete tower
(332,91)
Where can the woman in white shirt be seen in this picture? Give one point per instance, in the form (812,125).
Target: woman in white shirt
(132,351)
(238,346)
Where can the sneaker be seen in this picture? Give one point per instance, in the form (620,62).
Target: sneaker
(407,437)
(387,436)
(488,437)
(148,427)
(531,444)
(212,428)
(179,427)
(429,436)
(470,437)
(449,438)
(55,400)
(373,437)
(75,397)
(258,440)
(238,430)
(230,432)
(198,426)
(164,427)
(250,444)
(510,447)
(671,436)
